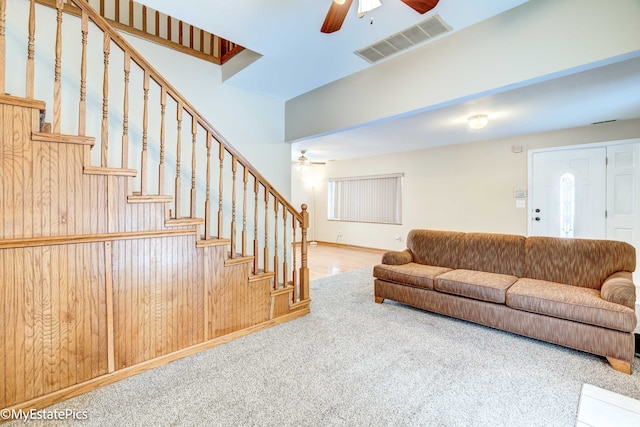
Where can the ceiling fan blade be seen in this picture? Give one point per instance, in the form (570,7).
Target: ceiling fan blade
(335,16)
(421,6)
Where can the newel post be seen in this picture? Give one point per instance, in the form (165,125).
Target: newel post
(304,268)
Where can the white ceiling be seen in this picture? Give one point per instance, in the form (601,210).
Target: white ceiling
(610,92)
(297,58)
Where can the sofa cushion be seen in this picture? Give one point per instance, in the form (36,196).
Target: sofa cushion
(579,262)
(409,274)
(493,253)
(490,287)
(571,303)
(432,247)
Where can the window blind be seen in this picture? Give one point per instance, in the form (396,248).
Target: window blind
(366,199)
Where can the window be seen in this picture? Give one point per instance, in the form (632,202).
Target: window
(366,199)
(567,204)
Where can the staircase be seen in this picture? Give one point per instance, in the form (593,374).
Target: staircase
(122,251)
(147,23)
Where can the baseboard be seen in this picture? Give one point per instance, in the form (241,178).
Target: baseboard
(58,396)
(345,245)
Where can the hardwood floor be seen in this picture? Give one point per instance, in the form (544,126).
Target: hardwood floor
(327,260)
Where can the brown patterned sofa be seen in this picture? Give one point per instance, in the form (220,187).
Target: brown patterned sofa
(577,293)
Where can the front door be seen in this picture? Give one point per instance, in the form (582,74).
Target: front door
(568,193)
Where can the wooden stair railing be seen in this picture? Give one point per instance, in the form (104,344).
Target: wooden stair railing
(113,256)
(148,23)
(194,167)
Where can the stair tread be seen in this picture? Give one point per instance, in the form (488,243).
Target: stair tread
(149,198)
(21,102)
(176,222)
(96,170)
(62,138)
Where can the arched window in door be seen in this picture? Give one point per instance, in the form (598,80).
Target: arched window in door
(567,204)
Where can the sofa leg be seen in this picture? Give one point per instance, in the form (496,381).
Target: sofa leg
(620,365)
(379,300)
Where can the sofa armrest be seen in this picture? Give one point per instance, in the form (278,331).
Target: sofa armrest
(397,257)
(619,288)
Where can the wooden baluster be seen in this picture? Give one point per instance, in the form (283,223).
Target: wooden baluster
(294,273)
(131,10)
(125,114)
(212,45)
(304,268)
(178,156)
(3,44)
(201,41)
(207,200)
(220,188)
(194,139)
(245,178)
(285,264)
(157,23)
(276,205)
(145,135)
(117,12)
(169,28)
(82,108)
(144,18)
(101,7)
(256,188)
(57,81)
(104,140)
(266,229)
(31,50)
(191,36)
(180,32)
(234,169)
(163,108)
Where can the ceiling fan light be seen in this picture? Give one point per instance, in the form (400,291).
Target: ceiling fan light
(478,122)
(303,161)
(365,6)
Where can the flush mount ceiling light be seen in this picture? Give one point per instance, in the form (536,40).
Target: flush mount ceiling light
(478,122)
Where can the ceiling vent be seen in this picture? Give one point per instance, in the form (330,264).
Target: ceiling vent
(412,36)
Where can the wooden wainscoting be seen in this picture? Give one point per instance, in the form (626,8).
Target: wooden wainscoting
(98,284)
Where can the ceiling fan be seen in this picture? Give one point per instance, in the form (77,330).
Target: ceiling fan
(304,162)
(339,9)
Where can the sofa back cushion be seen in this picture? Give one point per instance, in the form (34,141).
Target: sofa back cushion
(578,262)
(492,253)
(431,247)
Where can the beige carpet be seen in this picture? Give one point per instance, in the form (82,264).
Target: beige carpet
(352,362)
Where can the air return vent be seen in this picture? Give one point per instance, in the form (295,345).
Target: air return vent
(412,36)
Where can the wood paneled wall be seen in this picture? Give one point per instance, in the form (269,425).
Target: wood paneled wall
(96,285)
(54,319)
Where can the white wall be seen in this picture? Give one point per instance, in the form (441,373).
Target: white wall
(465,187)
(253,124)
